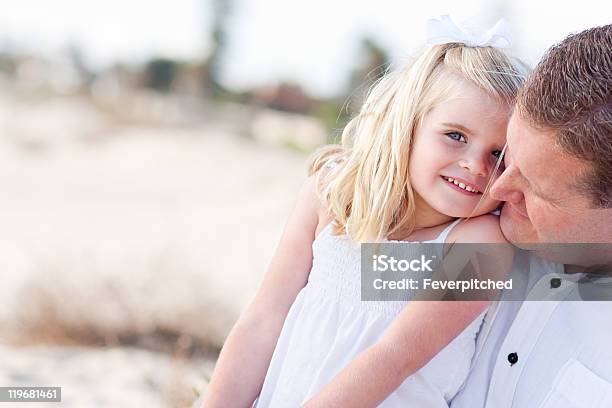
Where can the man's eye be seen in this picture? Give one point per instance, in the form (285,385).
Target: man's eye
(456,136)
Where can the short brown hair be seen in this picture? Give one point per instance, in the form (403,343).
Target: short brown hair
(570,94)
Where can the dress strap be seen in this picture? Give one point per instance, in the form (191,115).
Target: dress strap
(447,230)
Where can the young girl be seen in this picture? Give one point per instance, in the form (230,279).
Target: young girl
(414,162)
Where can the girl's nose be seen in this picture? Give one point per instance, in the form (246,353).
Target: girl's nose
(476,166)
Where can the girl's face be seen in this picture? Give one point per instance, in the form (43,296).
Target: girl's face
(454,153)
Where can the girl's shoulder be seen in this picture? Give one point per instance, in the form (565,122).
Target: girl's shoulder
(310,194)
(482,229)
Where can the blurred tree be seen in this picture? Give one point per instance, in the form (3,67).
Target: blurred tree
(159,73)
(373,63)
(8,63)
(75,55)
(221,10)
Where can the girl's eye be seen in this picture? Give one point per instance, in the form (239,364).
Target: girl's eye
(498,154)
(456,136)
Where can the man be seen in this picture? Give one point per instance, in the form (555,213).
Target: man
(558,188)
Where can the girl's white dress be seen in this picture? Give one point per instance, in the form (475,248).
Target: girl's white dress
(328,326)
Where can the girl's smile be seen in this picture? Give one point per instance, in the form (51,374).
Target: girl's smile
(463,186)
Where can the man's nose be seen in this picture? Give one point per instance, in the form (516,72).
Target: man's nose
(505,188)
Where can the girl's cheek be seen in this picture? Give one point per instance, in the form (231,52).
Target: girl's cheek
(447,151)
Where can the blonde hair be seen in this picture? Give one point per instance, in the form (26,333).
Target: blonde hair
(368,191)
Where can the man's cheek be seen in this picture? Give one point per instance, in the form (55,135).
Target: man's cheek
(537,209)
(549,221)
(536,215)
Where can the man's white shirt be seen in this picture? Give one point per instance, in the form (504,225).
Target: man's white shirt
(541,354)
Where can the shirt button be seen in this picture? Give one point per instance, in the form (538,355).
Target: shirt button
(555,283)
(512,359)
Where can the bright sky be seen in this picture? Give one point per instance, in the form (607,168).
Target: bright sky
(310,42)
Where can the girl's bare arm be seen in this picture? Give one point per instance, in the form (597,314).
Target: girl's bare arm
(247,351)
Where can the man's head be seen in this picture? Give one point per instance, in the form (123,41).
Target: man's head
(558,180)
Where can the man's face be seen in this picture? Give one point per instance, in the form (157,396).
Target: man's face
(541,187)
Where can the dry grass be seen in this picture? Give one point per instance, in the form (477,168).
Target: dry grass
(157,307)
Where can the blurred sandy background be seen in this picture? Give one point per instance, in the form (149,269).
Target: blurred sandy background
(128,249)
(145,177)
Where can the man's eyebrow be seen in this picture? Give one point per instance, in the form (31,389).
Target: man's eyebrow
(457,126)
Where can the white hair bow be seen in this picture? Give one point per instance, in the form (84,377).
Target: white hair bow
(443,30)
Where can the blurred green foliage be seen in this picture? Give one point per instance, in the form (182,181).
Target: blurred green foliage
(160,73)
